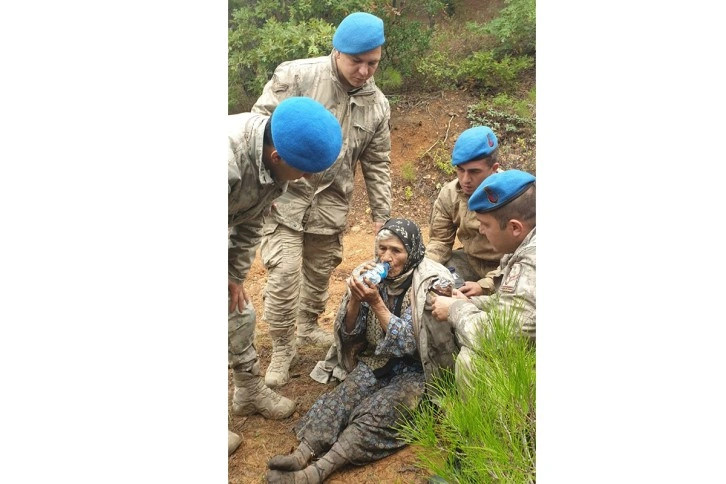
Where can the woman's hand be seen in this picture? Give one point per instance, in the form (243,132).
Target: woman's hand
(362,291)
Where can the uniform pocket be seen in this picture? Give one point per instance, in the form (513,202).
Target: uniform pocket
(271,247)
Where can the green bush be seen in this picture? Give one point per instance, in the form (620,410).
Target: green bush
(408,172)
(407,41)
(515,28)
(265,33)
(425,49)
(437,71)
(442,161)
(389,80)
(509,117)
(485,432)
(514,122)
(483,70)
(254,54)
(408,193)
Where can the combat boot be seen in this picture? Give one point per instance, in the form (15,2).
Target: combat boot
(284,350)
(233,441)
(252,396)
(310,333)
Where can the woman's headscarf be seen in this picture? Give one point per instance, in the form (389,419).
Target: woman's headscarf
(410,235)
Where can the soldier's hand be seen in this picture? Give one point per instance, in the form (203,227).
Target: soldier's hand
(377,226)
(237,296)
(471,288)
(440,308)
(457,294)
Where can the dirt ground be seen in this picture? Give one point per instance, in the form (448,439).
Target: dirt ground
(417,124)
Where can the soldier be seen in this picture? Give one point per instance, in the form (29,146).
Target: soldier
(302,241)
(265,152)
(475,158)
(505,207)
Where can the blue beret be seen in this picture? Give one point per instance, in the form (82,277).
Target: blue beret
(474,143)
(305,134)
(358,32)
(498,189)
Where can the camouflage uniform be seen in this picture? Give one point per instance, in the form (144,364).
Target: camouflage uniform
(250,190)
(518,285)
(450,217)
(302,241)
(246,203)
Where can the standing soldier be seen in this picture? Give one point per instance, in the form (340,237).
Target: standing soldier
(265,152)
(302,241)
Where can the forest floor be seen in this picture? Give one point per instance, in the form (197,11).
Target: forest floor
(420,127)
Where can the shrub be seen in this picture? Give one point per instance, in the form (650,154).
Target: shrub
(509,117)
(388,79)
(265,33)
(255,53)
(406,43)
(514,122)
(483,70)
(437,71)
(408,172)
(408,193)
(442,160)
(515,28)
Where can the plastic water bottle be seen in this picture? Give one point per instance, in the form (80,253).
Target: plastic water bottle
(458,281)
(377,274)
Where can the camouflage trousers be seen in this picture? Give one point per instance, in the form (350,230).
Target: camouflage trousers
(298,266)
(241,351)
(362,413)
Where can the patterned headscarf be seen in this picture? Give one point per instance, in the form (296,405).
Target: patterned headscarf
(410,235)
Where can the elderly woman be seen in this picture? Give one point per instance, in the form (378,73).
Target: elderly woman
(387,345)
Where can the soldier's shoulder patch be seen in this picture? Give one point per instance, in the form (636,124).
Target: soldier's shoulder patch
(278,86)
(509,283)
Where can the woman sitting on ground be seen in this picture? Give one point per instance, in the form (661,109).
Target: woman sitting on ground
(387,346)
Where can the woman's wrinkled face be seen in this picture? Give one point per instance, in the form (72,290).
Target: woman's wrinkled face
(393,251)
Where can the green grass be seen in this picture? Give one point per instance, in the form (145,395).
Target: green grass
(484,432)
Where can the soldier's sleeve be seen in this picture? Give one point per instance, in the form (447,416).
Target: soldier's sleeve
(519,289)
(480,302)
(375,164)
(243,242)
(468,321)
(279,87)
(442,231)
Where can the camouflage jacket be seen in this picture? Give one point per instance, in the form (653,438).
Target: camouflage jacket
(250,191)
(320,203)
(517,286)
(450,217)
